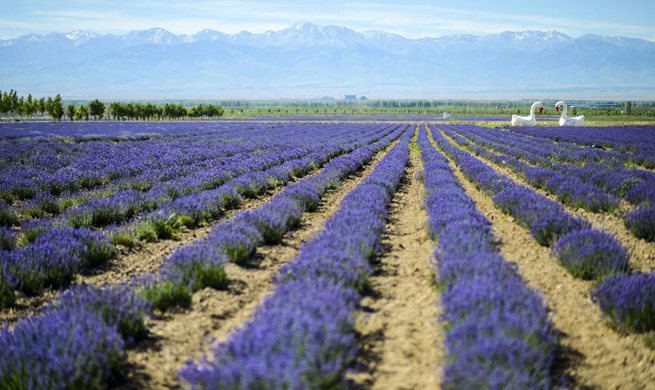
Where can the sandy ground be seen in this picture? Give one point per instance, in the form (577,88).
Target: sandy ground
(401,340)
(215,314)
(591,356)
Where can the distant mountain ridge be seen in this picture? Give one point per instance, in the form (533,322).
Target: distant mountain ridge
(308,60)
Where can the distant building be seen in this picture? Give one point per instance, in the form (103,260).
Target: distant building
(362,98)
(351,97)
(327,98)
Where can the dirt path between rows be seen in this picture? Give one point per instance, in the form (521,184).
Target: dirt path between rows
(216,314)
(403,344)
(592,355)
(642,253)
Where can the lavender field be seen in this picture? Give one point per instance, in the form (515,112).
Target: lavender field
(334,255)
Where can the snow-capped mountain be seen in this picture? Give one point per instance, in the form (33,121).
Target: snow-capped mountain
(307,60)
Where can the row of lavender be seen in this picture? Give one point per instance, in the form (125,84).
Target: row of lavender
(58,254)
(89,327)
(153,177)
(302,336)
(498,334)
(635,141)
(595,186)
(200,264)
(37,165)
(549,165)
(626,298)
(110,131)
(145,173)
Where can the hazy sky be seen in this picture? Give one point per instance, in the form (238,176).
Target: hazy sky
(411,18)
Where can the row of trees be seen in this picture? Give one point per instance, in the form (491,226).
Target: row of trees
(20,106)
(149,111)
(11,104)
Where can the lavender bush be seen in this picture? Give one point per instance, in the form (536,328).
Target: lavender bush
(118,306)
(38,267)
(641,223)
(8,238)
(197,266)
(628,300)
(590,254)
(7,297)
(498,334)
(7,215)
(68,349)
(91,247)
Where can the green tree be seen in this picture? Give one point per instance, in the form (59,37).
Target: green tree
(82,112)
(19,108)
(14,100)
(41,106)
(70,112)
(57,108)
(48,107)
(29,105)
(116,110)
(97,109)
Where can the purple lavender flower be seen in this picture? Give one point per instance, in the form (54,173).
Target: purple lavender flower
(7,283)
(641,223)
(61,350)
(549,228)
(498,332)
(91,247)
(629,300)
(198,266)
(7,215)
(237,238)
(642,194)
(118,305)
(37,267)
(591,254)
(8,238)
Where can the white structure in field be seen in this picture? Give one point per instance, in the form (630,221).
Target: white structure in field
(446,115)
(566,120)
(529,120)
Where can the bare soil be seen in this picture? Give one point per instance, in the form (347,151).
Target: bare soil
(402,342)
(591,356)
(216,314)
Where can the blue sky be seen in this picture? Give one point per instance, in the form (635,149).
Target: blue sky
(411,18)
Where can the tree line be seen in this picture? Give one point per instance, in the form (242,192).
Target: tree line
(149,111)
(11,105)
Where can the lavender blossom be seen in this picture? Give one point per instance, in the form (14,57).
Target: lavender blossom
(629,300)
(591,254)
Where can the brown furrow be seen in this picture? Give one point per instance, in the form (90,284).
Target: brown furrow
(402,342)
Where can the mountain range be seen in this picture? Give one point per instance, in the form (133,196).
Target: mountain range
(308,61)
